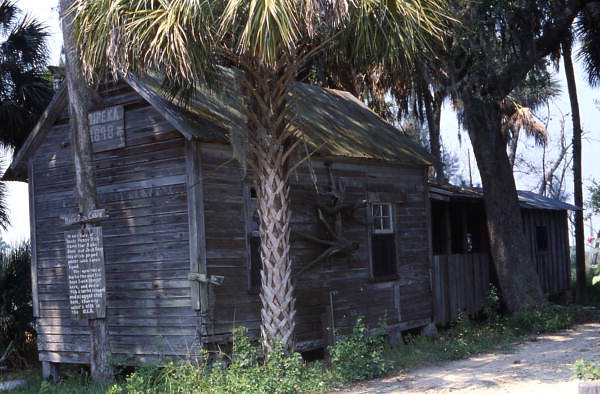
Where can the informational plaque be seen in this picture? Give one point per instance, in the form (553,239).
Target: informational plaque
(85,271)
(107,128)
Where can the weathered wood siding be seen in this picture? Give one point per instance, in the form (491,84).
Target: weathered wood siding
(142,186)
(460,283)
(552,265)
(338,290)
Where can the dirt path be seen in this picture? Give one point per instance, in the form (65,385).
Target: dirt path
(541,366)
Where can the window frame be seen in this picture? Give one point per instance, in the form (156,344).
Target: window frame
(391,216)
(371,231)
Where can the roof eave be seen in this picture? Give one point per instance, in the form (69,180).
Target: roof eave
(17,171)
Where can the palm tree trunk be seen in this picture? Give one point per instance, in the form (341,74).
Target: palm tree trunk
(516,271)
(85,180)
(270,148)
(577,177)
(278,303)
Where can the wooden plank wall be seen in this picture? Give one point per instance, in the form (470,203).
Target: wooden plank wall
(553,266)
(343,282)
(460,283)
(143,188)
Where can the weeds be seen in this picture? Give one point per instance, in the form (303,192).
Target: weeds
(357,356)
(587,370)
(245,371)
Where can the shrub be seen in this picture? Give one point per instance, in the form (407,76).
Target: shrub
(359,355)
(491,304)
(587,370)
(16,313)
(538,321)
(246,371)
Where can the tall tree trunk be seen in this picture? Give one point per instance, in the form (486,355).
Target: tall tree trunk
(516,271)
(577,177)
(433,112)
(85,179)
(278,302)
(270,148)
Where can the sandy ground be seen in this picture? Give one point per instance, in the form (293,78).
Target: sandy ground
(538,366)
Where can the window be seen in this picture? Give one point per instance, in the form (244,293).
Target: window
(382,218)
(383,241)
(541,238)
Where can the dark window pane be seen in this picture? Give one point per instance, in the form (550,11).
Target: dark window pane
(385,210)
(386,224)
(541,237)
(255,264)
(383,254)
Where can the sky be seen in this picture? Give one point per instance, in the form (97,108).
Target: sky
(46,11)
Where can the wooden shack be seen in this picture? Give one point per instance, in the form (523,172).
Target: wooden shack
(178,204)
(462,266)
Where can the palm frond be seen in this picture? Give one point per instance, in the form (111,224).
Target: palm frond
(25,45)
(263,29)
(125,36)
(8,14)
(25,88)
(398,32)
(588,31)
(522,118)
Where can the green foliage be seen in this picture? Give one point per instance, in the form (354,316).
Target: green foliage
(25,89)
(16,314)
(247,372)
(467,338)
(592,293)
(359,355)
(491,304)
(75,385)
(541,320)
(587,370)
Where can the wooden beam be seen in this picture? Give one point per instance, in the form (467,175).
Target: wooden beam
(195,199)
(50,371)
(46,120)
(34,281)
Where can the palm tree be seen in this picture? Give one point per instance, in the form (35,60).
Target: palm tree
(587,31)
(566,50)
(25,88)
(268,43)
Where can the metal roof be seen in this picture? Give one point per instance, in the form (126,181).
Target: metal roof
(527,199)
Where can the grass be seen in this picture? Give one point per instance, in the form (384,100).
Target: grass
(26,374)
(75,384)
(356,357)
(467,338)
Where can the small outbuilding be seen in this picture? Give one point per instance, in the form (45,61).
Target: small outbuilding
(180,246)
(462,265)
